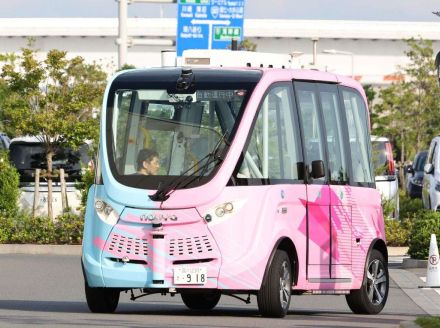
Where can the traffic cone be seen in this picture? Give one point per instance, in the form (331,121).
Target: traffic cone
(433,274)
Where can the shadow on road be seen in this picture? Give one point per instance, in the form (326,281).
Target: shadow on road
(177,310)
(44,306)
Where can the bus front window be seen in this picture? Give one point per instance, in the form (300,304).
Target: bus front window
(179,129)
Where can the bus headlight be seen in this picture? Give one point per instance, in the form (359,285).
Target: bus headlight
(105,212)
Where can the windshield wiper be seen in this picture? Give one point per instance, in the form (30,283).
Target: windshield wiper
(163,193)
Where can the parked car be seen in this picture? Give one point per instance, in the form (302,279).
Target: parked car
(431,178)
(414,180)
(4,141)
(28,154)
(385,172)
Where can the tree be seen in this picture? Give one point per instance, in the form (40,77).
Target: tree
(125,67)
(246,45)
(408,110)
(52,99)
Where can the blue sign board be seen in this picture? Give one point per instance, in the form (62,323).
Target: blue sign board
(208,24)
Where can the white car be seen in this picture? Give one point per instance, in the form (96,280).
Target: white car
(431,178)
(384,170)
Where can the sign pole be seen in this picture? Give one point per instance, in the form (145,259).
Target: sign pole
(123,35)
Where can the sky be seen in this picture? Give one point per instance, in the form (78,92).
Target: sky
(382,10)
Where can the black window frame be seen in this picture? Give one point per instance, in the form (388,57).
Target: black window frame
(166,79)
(234,181)
(345,138)
(307,178)
(350,166)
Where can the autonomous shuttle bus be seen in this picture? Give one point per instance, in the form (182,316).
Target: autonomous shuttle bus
(234,182)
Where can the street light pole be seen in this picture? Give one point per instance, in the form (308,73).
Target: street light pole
(123,35)
(123,40)
(340,52)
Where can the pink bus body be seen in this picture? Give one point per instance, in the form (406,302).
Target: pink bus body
(331,233)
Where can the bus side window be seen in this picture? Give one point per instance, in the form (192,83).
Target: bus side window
(335,131)
(273,152)
(357,121)
(307,99)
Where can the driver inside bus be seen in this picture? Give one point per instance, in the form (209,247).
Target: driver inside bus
(148,162)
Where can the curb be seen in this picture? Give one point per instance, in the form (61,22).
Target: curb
(397,251)
(409,324)
(413,263)
(40,249)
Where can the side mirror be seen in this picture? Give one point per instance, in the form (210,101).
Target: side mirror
(429,168)
(410,169)
(318,170)
(300,167)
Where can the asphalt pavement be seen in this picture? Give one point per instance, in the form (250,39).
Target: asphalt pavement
(47,290)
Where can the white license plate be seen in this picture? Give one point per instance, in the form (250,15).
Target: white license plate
(190,276)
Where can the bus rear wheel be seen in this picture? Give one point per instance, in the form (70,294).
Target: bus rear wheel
(274,296)
(102,300)
(373,294)
(201,301)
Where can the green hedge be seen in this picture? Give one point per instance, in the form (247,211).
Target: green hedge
(425,223)
(409,206)
(398,232)
(9,186)
(22,228)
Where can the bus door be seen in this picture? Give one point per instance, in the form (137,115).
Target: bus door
(340,197)
(318,191)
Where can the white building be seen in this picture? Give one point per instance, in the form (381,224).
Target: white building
(373,50)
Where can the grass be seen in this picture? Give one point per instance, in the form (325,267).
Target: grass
(428,322)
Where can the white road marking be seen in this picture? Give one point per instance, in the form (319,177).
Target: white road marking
(436,289)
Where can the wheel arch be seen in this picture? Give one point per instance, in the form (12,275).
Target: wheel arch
(285,244)
(380,245)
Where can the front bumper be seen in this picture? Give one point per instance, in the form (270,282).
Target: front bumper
(134,255)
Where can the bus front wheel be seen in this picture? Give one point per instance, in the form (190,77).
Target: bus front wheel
(201,301)
(102,300)
(372,296)
(274,296)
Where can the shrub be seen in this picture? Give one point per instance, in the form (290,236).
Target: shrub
(23,228)
(425,223)
(398,231)
(9,186)
(6,229)
(409,206)
(69,229)
(387,207)
(87,179)
(26,229)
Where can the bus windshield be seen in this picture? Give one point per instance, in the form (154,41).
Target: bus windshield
(157,136)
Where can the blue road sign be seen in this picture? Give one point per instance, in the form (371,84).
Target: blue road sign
(208,24)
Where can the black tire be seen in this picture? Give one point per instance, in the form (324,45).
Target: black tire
(373,294)
(102,300)
(201,301)
(275,293)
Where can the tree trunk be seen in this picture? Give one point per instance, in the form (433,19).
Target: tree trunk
(49,156)
(63,191)
(36,193)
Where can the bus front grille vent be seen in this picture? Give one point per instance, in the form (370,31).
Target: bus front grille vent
(128,245)
(190,246)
